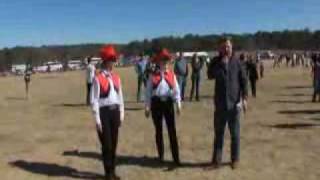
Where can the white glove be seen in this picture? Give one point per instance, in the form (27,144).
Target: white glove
(178,108)
(147,112)
(121,116)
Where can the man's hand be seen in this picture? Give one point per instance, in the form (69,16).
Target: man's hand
(121,118)
(99,127)
(245,105)
(178,109)
(147,112)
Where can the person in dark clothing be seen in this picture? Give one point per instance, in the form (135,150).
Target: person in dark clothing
(27,79)
(288,59)
(230,96)
(181,70)
(244,63)
(253,75)
(316,76)
(261,68)
(196,64)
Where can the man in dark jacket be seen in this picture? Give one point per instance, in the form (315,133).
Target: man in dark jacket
(197,65)
(230,96)
(253,75)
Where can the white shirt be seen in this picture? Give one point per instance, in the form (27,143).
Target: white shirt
(90,73)
(163,90)
(114,98)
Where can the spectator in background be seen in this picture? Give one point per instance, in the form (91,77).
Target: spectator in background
(140,69)
(181,70)
(253,75)
(27,79)
(316,76)
(90,77)
(244,62)
(196,64)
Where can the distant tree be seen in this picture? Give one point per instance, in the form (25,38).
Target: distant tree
(8,59)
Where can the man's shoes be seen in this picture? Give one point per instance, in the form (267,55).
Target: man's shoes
(161,159)
(177,163)
(213,166)
(235,165)
(108,177)
(115,177)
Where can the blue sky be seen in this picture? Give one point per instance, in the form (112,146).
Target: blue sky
(44,22)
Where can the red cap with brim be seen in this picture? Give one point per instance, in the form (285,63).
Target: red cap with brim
(163,55)
(108,53)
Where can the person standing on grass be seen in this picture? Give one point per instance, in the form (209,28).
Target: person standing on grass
(90,74)
(140,69)
(316,76)
(197,65)
(161,94)
(230,95)
(261,67)
(108,109)
(181,70)
(27,80)
(253,75)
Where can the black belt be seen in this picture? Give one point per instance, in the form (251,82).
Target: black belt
(163,98)
(111,107)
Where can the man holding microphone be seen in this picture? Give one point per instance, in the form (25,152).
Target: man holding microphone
(230,97)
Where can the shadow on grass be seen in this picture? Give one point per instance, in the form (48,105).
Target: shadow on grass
(71,105)
(295,95)
(143,161)
(298,87)
(54,170)
(315,119)
(291,101)
(293,126)
(306,111)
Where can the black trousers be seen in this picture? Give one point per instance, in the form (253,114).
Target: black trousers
(253,84)
(221,119)
(165,110)
(195,86)
(88,93)
(110,121)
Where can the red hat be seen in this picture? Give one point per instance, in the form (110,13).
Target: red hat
(108,53)
(164,54)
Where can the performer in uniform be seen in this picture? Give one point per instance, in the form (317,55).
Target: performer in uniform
(161,94)
(108,109)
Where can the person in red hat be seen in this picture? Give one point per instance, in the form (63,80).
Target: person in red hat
(162,93)
(108,109)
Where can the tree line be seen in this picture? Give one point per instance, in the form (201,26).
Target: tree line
(276,40)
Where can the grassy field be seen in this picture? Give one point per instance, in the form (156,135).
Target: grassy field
(280,134)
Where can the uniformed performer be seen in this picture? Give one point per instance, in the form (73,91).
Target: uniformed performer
(108,109)
(162,93)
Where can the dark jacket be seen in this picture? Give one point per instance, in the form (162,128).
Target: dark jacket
(196,66)
(252,70)
(230,83)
